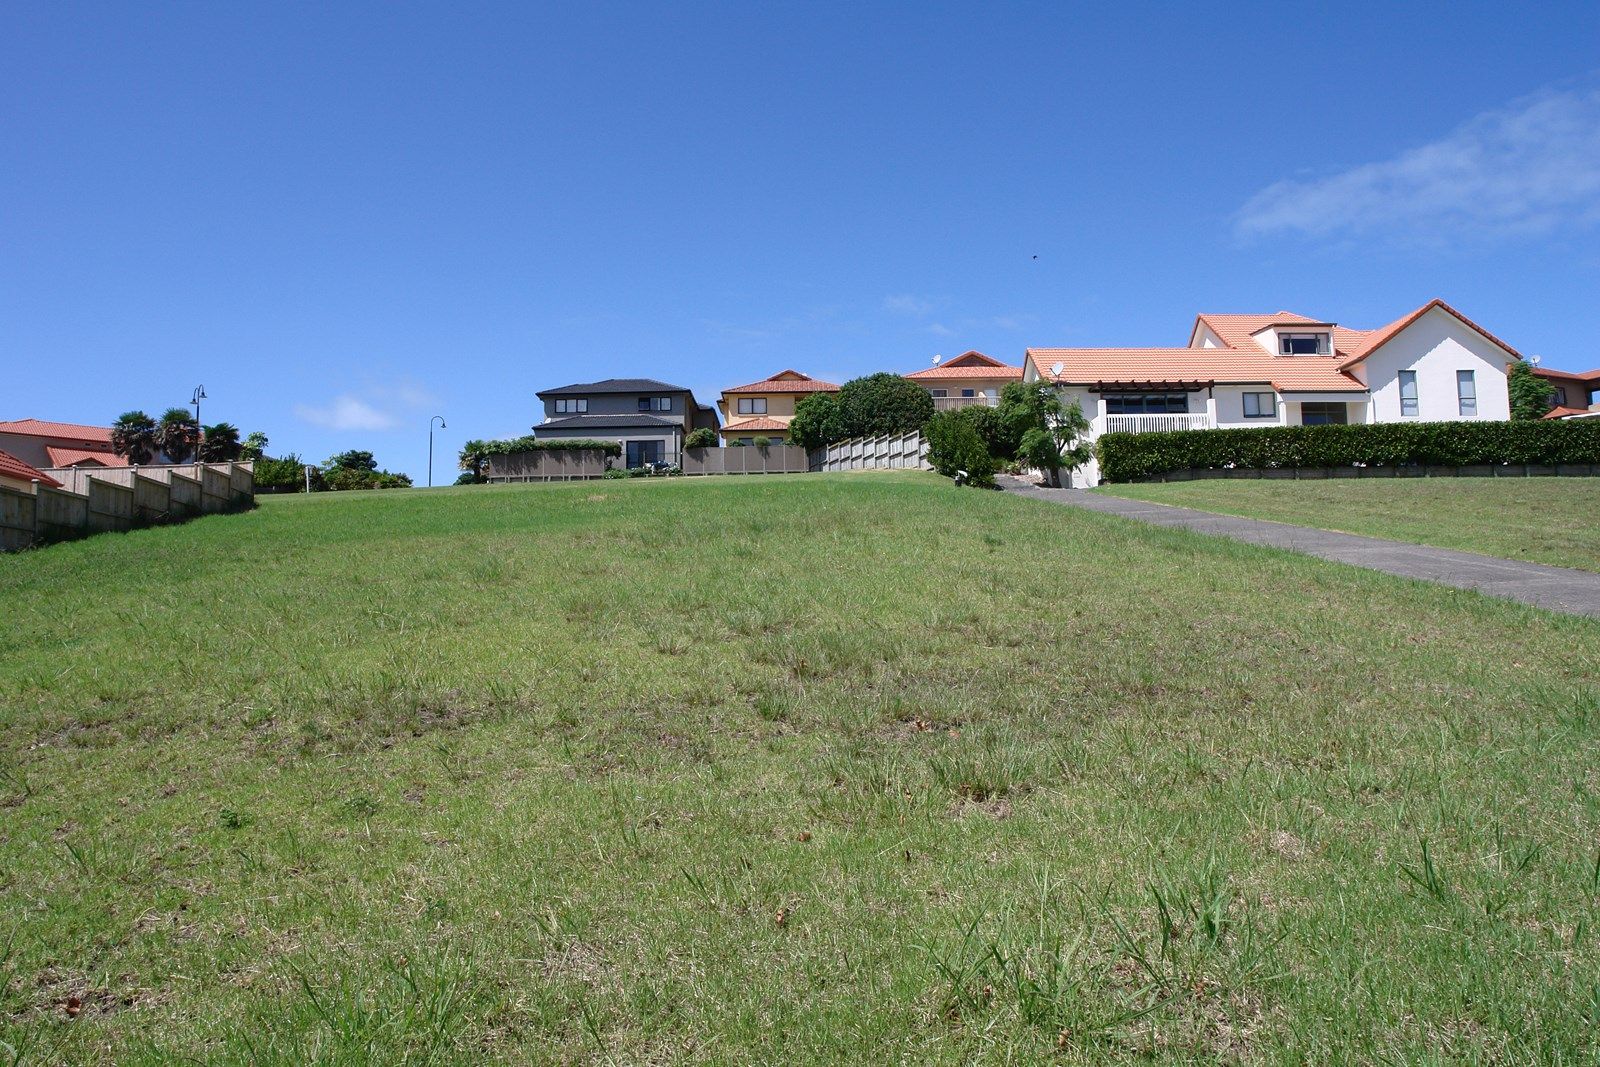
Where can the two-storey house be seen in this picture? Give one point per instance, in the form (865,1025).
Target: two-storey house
(1285,369)
(970,378)
(1572,394)
(649,419)
(765,408)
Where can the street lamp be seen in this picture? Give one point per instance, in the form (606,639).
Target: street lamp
(440,420)
(199,395)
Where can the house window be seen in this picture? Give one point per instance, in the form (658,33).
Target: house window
(938,394)
(1146,403)
(1466,393)
(571,406)
(1320,414)
(1302,344)
(1260,406)
(969,392)
(655,403)
(747,441)
(752,405)
(643,453)
(1408,393)
(1558,399)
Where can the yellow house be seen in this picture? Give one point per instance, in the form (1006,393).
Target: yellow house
(764,408)
(970,378)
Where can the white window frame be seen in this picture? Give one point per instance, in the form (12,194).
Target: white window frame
(1467,398)
(752,405)
(1269,412)
(1409,377)
(938,394)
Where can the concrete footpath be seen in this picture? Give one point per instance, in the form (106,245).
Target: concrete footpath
(1573,592)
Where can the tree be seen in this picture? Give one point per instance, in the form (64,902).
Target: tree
(704,437)
(220,443)
(955,445)
(286,475)
(1531,395)
(133,437)
(353,460)
(255,446)
(1051,435)
(475,454)
(177,434)
(817,422)
(883,403)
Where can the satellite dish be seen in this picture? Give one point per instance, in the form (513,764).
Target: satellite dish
(1535,360)
(936,359)
(1055,369)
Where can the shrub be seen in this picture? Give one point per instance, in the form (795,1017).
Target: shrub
(817,422)
(763,442)
(1000,437)
(1531,395)
(1126,457)
(614,472)
(883,403)
(286,475)
(704,437)
(954,445)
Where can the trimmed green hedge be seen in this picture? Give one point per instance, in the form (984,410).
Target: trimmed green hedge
(556,444)
(1127,457)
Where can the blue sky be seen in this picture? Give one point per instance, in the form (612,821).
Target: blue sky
(344,219)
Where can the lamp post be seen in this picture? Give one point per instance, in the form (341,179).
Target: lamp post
(440,420)
(199,395)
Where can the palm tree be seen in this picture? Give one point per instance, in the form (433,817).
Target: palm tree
(220,443)
(178,435)
(133,436)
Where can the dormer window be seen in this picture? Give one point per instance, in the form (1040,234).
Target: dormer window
(1302,344)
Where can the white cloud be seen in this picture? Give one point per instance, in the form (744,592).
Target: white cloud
(346,413)
(1529,168)
(939,329)
(906,304)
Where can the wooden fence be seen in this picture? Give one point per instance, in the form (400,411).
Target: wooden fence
(894,451)
(547,465)
(747,459)
(102,499)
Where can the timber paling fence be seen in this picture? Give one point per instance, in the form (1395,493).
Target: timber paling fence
(746,459)
(893,451)
(106,499)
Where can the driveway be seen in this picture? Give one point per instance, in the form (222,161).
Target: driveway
(1572,592)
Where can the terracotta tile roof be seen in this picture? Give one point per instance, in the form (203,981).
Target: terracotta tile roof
(786,381)
(1588,376)
(71,457)
(39,428)
(971,365)
(750,425)
(1238,331)
(1372,340)
(13,467)
(1293,374)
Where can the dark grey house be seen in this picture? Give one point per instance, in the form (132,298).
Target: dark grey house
(649,419)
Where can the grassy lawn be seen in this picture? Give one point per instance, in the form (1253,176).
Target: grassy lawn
(1545,520)
(817,768)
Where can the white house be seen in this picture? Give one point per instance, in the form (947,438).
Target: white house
(1284,369)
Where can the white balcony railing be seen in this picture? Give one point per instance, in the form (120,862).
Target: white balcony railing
(1151,423)
(948,403)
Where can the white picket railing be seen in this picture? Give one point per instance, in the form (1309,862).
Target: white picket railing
(861,453)
(950,403)
(1151,423)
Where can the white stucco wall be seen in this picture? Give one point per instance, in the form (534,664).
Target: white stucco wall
(1436,346)
(1230,406)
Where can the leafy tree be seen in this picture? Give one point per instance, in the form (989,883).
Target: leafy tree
(883,403)
(817,422)
(762,442)
(287,475)
(467,478)
(353,460)
(1531,395)
(954,445)
(133,437)
(992,426)
(255,446)
(177,434)
(1051,435)
(220,443)
(704,437)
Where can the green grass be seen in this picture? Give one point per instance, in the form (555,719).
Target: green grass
(1544,520)
(825,768)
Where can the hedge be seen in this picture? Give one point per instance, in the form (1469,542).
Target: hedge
(1127,457)
(556,444)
